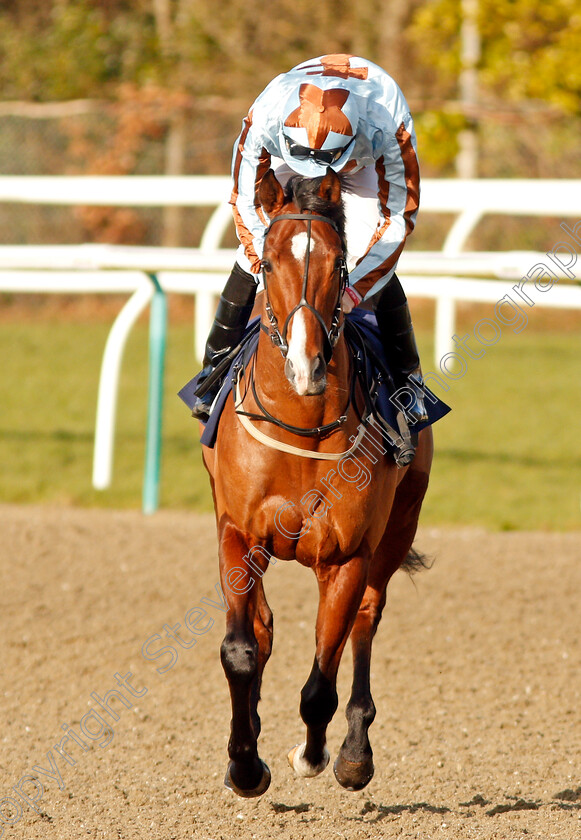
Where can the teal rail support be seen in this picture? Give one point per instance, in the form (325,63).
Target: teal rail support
(157,340)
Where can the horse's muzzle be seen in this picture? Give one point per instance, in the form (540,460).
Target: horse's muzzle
(308,378)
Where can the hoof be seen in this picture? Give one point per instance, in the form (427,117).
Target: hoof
(296,759)
(353,775)
(260,788)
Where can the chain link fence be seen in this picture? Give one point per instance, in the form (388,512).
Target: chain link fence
(98,143)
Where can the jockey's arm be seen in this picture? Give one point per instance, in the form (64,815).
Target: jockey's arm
(251,160)
(398,188)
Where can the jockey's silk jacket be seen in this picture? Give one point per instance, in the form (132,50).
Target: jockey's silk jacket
(383,162)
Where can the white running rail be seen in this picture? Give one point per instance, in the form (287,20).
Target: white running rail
(448,276)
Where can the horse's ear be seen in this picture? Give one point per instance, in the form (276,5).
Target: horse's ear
(270,194)
(330,188)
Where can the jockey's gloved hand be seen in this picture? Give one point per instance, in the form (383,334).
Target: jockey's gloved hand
(350,299)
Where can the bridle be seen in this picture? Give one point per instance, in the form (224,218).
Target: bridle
(279,338)
(331,335)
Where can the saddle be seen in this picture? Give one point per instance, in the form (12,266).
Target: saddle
(371,373)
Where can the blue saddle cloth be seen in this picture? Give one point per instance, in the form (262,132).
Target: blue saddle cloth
(362,336)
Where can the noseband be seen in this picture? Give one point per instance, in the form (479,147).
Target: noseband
(331,335)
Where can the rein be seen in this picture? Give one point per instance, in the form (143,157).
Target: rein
(286,447)
(270,418)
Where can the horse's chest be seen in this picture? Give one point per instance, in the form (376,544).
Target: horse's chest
(305,509)
(326,520)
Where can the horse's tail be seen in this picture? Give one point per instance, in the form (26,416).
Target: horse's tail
(416,561)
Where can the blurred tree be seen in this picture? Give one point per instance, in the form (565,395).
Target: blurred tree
(179,75)
(529,72)
(531,51)
(67,49)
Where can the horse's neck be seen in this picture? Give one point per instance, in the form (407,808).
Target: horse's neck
(278,396)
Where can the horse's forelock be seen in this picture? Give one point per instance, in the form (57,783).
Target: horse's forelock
(304,193)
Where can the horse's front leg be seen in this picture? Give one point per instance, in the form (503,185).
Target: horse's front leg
(244,652)
(263,634)
(340,591)
(354,765)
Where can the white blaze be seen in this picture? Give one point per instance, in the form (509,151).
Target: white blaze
(299,245)
(297,348)
(297,351)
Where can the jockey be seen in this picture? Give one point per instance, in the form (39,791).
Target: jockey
(346,113)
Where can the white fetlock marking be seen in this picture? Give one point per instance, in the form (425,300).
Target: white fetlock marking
(302,767)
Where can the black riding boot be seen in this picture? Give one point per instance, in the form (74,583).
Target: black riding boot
(401,352)
(236,302)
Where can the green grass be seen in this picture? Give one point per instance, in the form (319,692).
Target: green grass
(48,397)
(508,456)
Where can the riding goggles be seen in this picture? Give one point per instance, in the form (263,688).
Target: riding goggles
(327,156)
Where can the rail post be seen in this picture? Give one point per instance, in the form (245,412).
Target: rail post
(157,341)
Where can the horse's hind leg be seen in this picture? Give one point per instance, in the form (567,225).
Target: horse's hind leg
(354,765)
(244,653)
(340,590)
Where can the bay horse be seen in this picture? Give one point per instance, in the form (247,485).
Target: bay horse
(276,498)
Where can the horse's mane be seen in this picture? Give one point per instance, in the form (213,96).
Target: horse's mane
(304,193)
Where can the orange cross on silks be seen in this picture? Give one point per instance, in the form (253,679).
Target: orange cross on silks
(337,65)
(319,113)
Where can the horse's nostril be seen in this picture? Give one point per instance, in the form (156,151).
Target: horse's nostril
(289,363)
(319,368)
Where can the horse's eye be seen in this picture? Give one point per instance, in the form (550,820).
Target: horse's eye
(266,265)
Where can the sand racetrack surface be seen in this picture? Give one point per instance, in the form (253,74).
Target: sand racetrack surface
(476,678)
